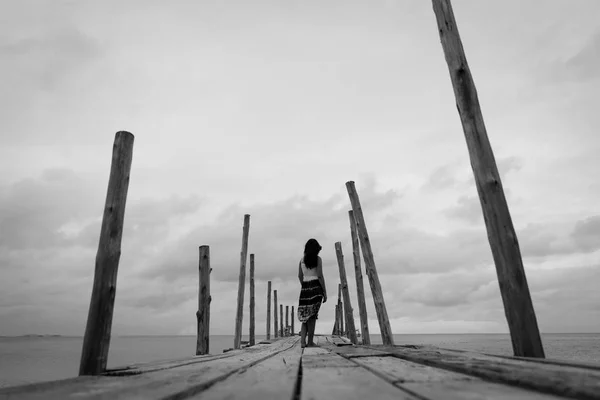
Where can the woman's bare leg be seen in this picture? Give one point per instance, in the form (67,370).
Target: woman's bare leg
(312,323)
(303,330)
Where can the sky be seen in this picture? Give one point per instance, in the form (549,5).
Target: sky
(268,108)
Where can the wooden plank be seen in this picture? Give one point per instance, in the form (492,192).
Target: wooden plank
(436,383)
(348,311)
(332,377)
(204,299)
(473,390)
(360,289)
(273,378)
(575,382)
(357,351)
(177,382)
(237,338)
(312,351)
(137,369)
(370,268)
(96,340)
(396,370)
(501,233)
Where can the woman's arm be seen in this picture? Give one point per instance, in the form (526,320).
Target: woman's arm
(322,279)
(300,274)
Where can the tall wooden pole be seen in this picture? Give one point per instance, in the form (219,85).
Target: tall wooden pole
(293,317)
(269,310)
(96,340)
(251,339)
(502,237)
(371,270)
(287,317)
(281,320)
(360,290)
(275,326)
(204,299)
(349,312)
(237,339)
(340,311)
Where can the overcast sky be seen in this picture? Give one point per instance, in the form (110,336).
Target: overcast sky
(268,108)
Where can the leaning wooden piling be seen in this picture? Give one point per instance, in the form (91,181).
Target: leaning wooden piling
(96,340)
(251,337)
(204,299)
(242,281)
(340,311)
(518,306)
(371,270)
(269,310)
(275,326)
(360,289)
(348,311)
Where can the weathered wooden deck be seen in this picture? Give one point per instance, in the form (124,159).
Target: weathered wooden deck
(336,369)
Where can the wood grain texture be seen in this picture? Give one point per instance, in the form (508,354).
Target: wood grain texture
(96,340)
(329,376)
(370,268)
(273,378)
(275,319)
(178,383)
(251,336)
(348,311)
(204,299)
(268,310)
(241,284)
(502,237)
(472,390)
(568,381)
(360,289)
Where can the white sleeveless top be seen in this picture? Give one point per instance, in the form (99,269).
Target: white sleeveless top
(309,274)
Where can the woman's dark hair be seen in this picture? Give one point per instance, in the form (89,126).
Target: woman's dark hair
(311,252)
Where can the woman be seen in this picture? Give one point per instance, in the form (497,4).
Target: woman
(313,292)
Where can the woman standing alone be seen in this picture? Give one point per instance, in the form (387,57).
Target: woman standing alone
(312,293)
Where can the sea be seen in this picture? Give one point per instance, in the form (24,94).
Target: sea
(36,359)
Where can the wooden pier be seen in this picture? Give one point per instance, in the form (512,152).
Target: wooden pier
(335,369)
(342,365)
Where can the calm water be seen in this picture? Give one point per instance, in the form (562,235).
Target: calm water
(26,360)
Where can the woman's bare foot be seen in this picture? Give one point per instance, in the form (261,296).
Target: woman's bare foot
(302,345)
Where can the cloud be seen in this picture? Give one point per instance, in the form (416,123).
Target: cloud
(585,65)
(586,234)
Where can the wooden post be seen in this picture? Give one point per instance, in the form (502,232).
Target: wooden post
(275,326)
(204,299)
(237,339)
(96,340)
(293,317)
(340,311)
(287,317)
(251,339)
(371,270)
(281,320)
(360,290)
(502,237)
(349,312)
(269,310)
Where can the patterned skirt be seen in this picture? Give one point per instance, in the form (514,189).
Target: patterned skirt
(311,296)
